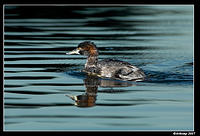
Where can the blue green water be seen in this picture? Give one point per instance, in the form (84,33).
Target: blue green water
(41,81)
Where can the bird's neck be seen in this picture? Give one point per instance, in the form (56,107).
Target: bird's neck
(91,61)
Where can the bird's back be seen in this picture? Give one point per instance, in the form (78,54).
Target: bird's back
(120,70)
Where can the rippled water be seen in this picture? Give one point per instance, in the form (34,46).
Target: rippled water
(45,90)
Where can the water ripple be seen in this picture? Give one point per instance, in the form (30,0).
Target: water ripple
(38,75)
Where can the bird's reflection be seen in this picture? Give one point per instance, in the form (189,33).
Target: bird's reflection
(91,83)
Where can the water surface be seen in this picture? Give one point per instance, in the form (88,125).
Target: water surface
(45,90)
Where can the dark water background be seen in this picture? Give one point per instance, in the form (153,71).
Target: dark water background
(45,90)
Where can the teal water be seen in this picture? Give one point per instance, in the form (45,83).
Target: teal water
(45,90)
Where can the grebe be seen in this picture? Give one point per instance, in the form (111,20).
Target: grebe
(108,68)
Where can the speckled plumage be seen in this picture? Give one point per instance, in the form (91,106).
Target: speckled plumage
(108,68)
(119,70)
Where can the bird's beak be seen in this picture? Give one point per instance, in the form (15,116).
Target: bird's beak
(75,51)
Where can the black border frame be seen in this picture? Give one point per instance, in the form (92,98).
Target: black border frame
(196,4)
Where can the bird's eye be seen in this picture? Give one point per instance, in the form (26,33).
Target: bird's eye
(81,52)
